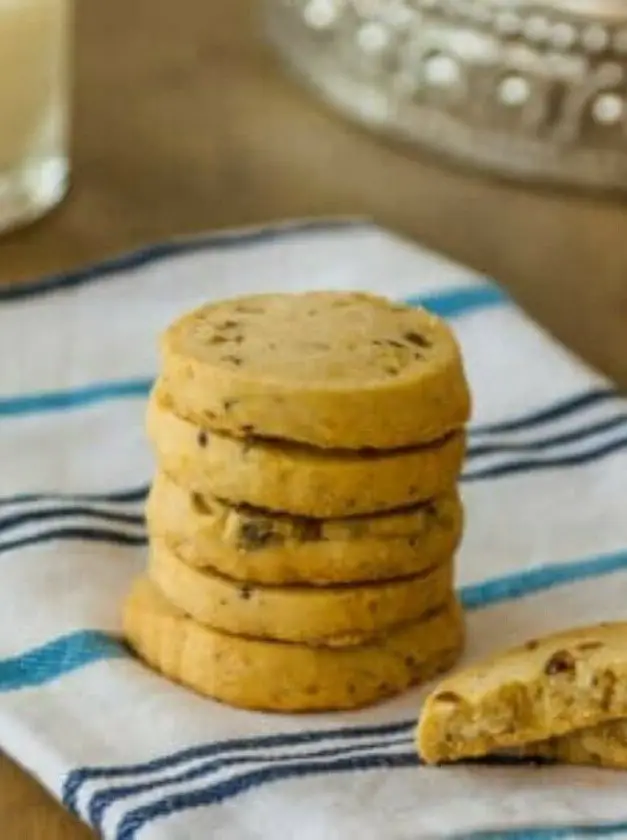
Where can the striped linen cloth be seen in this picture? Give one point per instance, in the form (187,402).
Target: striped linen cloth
(544,484)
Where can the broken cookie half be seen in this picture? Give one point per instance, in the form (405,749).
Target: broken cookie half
(561,697)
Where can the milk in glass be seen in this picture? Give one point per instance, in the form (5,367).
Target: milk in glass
(34,105)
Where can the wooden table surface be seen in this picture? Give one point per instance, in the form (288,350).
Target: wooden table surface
(184,122)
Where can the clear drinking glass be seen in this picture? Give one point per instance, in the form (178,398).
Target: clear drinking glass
(34,107)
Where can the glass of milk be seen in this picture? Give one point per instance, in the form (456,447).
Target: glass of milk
(34,107)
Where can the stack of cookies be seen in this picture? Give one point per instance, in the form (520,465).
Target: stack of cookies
(305,515)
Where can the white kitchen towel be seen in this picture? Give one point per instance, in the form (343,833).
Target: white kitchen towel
(545,484)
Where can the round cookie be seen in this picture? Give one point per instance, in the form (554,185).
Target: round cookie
(339,615)
(299,479)
(332,369)
(250,545)
(273,676)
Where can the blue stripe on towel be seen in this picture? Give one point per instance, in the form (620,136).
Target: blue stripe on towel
(72,398)
(455,302)
(527,582)
(54,659)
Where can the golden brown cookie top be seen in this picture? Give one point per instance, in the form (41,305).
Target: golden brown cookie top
(338,339)
(331,369)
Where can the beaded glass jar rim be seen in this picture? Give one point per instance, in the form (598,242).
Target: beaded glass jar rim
(524,88)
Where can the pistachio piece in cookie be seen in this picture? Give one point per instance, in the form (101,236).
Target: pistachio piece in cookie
(544,689)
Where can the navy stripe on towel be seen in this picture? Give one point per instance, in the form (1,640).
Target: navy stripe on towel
(78,778)
(189,245)
(134,820)
(581,433)
(530,465)
(36,516)
(132,496)
(103,800)
(563,408)
(99,535)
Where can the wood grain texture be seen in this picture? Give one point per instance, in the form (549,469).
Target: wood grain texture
(184,122)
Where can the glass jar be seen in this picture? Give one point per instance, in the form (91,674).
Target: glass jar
(34,106)
(534,89)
